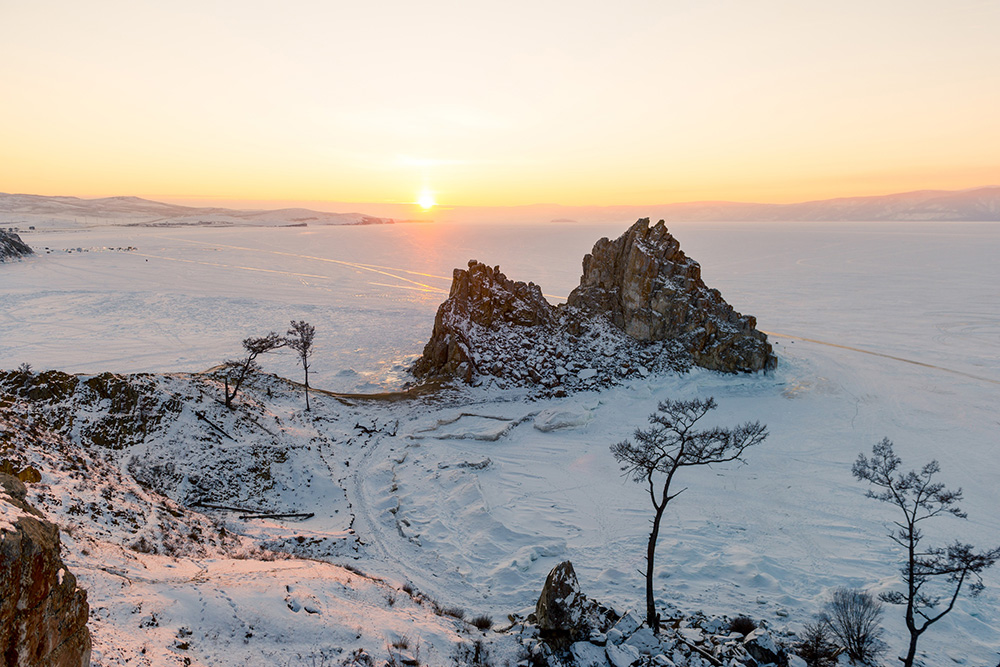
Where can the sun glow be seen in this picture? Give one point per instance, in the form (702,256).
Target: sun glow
(426,200)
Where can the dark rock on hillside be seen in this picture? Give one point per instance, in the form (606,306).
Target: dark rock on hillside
(563,613)
(762,647)
(12,247)
(125,407)
(43,615)
(641,307)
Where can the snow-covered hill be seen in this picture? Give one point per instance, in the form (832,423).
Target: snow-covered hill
(22,210)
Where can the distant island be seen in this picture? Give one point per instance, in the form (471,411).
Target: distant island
(20,209)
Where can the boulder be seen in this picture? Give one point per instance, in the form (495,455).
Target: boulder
(622,655)
(762,647)
(43,615)
(563,613)
(585,654)
(645,641)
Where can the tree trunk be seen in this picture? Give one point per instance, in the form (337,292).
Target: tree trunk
(307,389)
(651,618)
(912,653)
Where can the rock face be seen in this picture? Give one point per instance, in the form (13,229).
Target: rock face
(651,290)
(43,615)
(641,307)
(12,247)
(481,299)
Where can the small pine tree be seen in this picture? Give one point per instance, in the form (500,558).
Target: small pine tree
(919,498)
(672,443)
(238,369)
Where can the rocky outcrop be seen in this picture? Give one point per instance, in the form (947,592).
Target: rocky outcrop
(123,408)
(762,647)
(482,299)
(567,628)
(563,613)
(43,615)
(641,307)
(12,247)
(651,290)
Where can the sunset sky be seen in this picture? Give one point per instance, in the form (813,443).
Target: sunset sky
(578,103)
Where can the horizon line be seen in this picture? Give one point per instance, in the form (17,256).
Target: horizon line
(166,199)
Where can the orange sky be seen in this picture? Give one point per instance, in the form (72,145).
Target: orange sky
(576,103)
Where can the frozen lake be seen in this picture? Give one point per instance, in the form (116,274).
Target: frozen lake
(907,316)
(184,299)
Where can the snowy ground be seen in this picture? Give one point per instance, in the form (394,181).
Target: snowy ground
(469,501)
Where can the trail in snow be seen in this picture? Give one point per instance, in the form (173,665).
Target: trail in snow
(885,356)
(366,267)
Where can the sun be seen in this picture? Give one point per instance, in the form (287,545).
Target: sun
(426,200)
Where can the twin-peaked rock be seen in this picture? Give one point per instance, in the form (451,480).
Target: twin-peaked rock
(641,306)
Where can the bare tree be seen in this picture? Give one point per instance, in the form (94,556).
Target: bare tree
(815,646)
(672,443)
(237,369)
(300,338)
(920,498)
(855,617)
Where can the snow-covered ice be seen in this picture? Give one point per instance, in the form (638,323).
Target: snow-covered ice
(881,330)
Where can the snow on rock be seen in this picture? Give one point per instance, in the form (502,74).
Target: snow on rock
(628,623)
(467,426)
(585,654)
(641,305)
(300,598)
(622,655)
(761,645)
(645,641)
(12,247)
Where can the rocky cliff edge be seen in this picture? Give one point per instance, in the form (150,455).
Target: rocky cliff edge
(43,615)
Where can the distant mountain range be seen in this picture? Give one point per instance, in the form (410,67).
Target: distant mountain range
(981,204)
(32,209)
(975,205)
(978,205)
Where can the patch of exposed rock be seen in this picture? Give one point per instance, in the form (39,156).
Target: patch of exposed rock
(12,247)
(43,615)
(571,630)
(641,307)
